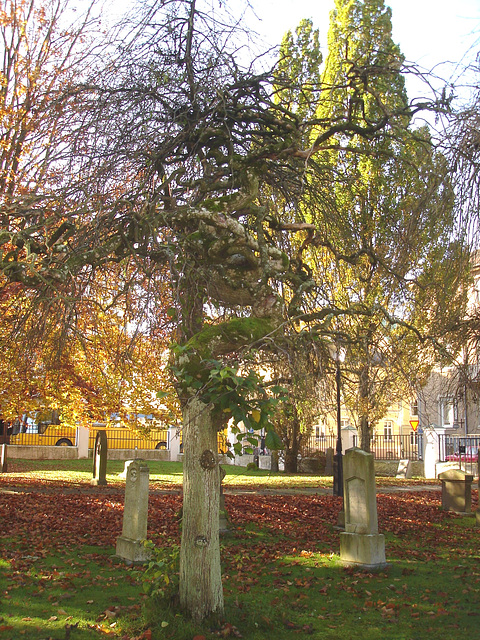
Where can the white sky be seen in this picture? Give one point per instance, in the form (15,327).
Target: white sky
(429,32)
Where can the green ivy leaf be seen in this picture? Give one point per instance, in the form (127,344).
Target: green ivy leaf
(273,440)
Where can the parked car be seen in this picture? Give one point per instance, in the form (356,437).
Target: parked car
(470,454)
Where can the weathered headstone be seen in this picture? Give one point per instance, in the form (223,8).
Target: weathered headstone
(82,439)
(360,544)
(329,462)
(456,491)
(274,462)
(127,463)
(309,465)
(130,545)
(100,459)
(3,458)
(404,469)
(223,518)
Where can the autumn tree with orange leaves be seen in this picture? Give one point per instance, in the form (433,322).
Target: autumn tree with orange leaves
(94,350)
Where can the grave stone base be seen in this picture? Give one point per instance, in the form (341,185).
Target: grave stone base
(132,550)
(365,551)
(223,527)
(98,482)
(456,491)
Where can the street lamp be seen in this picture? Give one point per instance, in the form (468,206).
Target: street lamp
(338,354)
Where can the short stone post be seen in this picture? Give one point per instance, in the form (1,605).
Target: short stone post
(456,491)
(329,462)
(3,458)
(360,544)
(130,545)
(100,459)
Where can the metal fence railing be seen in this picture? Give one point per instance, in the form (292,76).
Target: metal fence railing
(462,451)
(394,447)
(317,444)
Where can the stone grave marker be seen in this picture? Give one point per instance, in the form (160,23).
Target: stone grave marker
(130,545)
(127,463)
(360,544)
(100,459)
(3,458)
(456,491)
(223,517)
(404,469)
(329,462)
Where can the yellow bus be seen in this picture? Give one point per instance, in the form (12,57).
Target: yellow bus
(44,434)
(123,438)
(29,432)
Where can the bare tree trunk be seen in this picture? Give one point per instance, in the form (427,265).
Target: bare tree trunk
(364,388)
(364,434)
(201,591)
(291,453)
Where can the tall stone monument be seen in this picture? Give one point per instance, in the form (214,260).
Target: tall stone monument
(360,544)
(100,459)
(130,545)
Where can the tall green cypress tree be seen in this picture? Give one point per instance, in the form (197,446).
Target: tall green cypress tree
(383,207)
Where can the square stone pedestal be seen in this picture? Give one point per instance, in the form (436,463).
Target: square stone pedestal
(132,550)
(456,491)
(365,551)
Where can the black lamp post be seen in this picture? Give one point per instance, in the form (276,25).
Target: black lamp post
(338,355)
(338,458)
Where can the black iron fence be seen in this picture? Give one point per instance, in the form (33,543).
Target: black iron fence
(317,444)
(394,447)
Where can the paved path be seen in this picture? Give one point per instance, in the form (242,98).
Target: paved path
(119,490)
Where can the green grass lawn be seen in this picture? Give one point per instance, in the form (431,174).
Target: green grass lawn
(85,592)
(60,579)
(79,593)
(170,475)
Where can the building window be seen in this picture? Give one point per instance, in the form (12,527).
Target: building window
(477,291)
(387,430)
(448,412)
(319,431)
(414,408)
